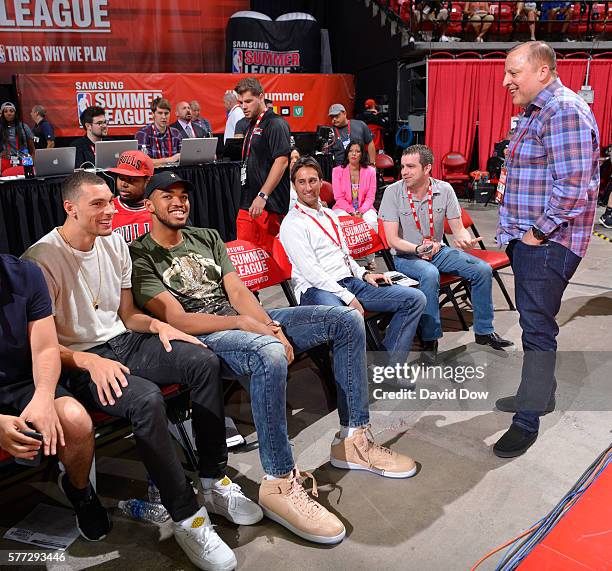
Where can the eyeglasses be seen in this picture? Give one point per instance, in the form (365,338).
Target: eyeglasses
(100,123)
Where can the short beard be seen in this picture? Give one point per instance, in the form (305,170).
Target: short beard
(171,225)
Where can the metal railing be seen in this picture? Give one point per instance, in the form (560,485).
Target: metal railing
(587,19)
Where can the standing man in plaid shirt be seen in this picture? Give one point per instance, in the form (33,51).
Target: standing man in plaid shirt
(548,194)
(162,142)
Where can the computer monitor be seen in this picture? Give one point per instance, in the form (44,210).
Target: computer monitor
(108,152)
(54,162)
(198,151)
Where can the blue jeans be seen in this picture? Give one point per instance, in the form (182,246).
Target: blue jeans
(450,261)
(541,274)
(405,303)
(262,357)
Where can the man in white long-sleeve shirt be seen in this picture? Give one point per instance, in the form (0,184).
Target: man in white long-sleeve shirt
(234,113)
(325,274)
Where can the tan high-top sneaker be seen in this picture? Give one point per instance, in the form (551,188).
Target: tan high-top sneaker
(285,501)
(360,452)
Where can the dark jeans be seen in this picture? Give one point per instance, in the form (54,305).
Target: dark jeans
(142,403)
(541,274)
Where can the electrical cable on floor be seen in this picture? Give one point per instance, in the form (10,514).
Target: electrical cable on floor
(538,531)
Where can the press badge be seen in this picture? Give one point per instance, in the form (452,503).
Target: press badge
(243,174)
(501,186)
(345,144)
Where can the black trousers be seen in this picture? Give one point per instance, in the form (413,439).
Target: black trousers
(143,405)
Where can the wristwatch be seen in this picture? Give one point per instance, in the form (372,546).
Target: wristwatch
(366,273)
(538,234)
(262,195)
(273,322)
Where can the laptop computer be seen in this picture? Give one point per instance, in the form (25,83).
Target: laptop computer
(54,162)
(233,148)
(198,151)
(108,152)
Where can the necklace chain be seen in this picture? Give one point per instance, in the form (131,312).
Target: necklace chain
(94,299)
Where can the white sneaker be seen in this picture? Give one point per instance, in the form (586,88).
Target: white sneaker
(444,38)
(233,438)
(227,499)
(205,549)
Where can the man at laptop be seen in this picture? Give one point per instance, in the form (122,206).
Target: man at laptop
(161,141)
(93,120)
(184,124)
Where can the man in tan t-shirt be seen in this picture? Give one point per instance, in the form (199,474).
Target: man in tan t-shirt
(117,358)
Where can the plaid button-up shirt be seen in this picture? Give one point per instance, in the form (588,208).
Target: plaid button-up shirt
(157,143)
(553,171)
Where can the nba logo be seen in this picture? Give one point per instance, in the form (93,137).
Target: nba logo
(84,100)
(2,55)
(236,61)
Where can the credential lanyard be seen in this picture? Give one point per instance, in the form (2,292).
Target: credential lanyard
(429,210)
(245,155)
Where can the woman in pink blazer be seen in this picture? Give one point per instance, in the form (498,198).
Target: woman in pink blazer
(354,185)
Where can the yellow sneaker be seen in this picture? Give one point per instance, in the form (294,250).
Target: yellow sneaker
(360,452)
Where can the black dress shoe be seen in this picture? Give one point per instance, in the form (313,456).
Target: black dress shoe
(429,354)
(493,340)
(514,442)
(508,404)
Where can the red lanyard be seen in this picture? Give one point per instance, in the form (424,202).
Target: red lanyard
(429,209)
(159,147)
(511,153)
(248,149)
(348,124)
(339,242)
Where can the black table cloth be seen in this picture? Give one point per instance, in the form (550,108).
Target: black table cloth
(29,209)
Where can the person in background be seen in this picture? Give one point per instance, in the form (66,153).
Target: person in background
(346,130)
(234,114)
(131,219)
(184,123)
(354,186)
(479,17)
(162,142)
(15,136)
(43,133)
(200,121)
(264,176)
(93,120)
(293,157)
(528,11)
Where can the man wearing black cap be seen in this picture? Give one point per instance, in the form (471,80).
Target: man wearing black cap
(346,130)
(116,359)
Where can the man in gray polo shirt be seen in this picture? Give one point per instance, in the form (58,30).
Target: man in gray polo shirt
(348,130)
(413,211)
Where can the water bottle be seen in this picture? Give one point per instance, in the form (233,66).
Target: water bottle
(153,493)
(14,161)
(144,150)
(144,511)
(28,165)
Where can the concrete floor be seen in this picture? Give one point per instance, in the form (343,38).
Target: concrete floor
(463,502)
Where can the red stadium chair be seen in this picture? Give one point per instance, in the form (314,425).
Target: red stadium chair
(454,170)
(384,162)
(496,259)
(447,281)
(327,194)
(13,171)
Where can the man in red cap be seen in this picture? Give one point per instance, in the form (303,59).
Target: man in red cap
(131,219)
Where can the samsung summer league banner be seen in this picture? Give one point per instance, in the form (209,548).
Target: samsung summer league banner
(272,46)
(302,99)
(48,36)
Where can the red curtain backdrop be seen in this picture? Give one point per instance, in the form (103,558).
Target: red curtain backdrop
(461,93)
